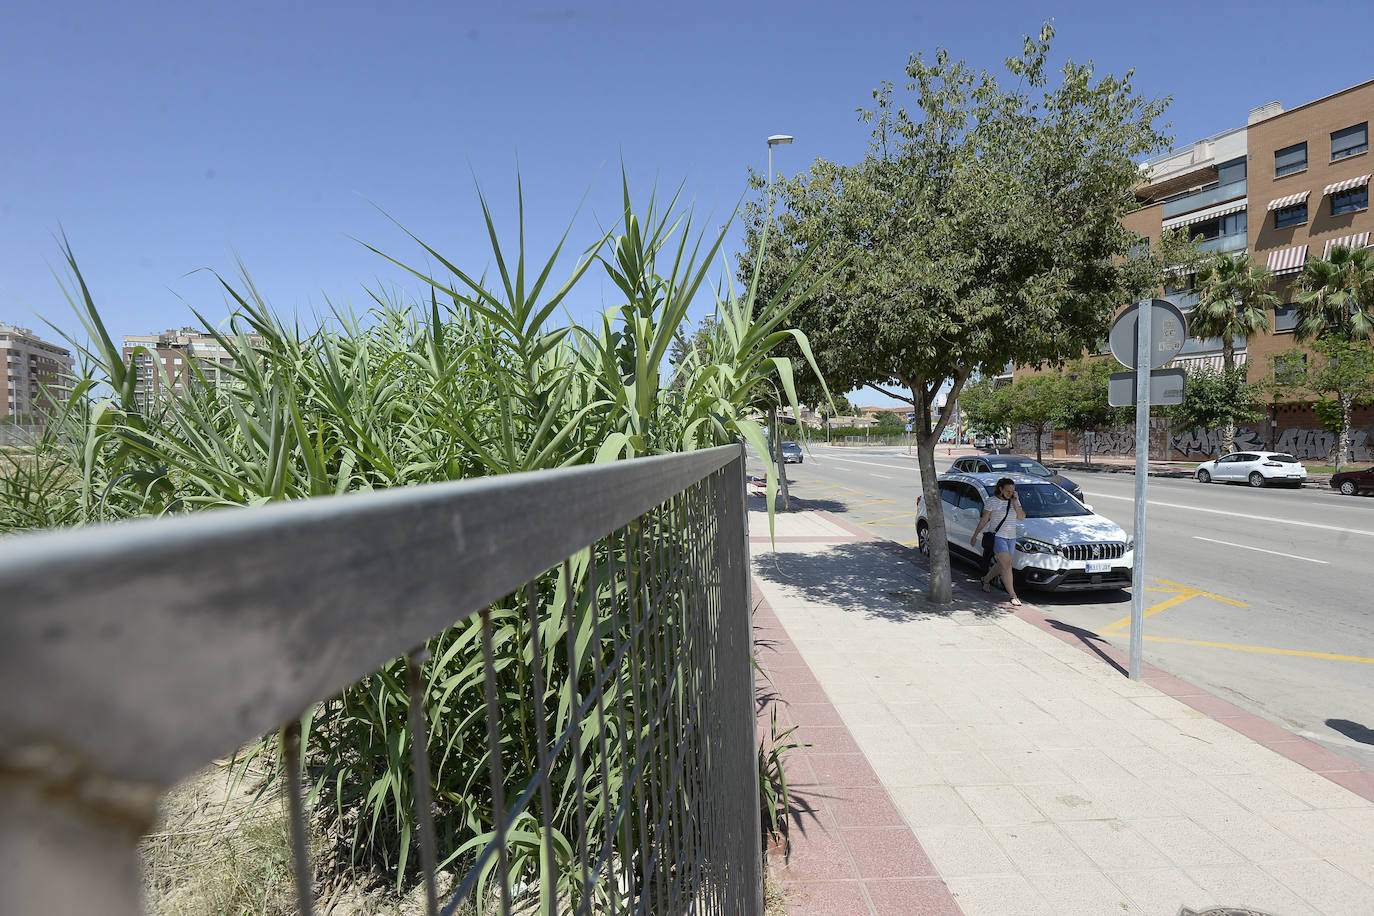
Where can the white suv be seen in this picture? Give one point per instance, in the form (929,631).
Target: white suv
(1062,545)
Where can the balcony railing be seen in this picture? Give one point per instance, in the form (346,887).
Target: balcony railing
(132,655)
(1236,241)
(1229,191)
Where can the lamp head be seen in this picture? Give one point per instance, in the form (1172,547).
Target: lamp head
(779,140)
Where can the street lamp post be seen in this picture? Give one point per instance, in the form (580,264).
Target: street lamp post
(776,426)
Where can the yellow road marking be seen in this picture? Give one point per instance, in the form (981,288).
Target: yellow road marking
(888,518)
(867,504)
(1265,649)
(1181,594)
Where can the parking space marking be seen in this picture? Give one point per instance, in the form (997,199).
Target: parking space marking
(1267,650)
(888,518)
(870,503)
(1291,556)
(1181,593)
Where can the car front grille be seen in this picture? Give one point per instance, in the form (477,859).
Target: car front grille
(1112,550)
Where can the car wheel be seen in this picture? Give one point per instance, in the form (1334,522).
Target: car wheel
(923,539)
(1256,479)
(1347,488)
(1203,476)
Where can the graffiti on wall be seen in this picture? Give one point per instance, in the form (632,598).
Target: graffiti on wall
(1299,441)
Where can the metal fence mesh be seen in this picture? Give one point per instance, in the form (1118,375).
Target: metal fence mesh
(628,781)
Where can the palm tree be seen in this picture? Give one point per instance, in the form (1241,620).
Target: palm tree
(1336,296)
(1336,304)
(1235,296)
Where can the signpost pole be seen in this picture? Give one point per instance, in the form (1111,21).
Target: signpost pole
(1142,468)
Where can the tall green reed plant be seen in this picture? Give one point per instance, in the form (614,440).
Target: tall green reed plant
(467,379)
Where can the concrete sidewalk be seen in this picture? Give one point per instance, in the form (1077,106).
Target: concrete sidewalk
(979,758)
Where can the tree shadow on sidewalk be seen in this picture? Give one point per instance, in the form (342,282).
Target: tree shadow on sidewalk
(799,504)
(865,578)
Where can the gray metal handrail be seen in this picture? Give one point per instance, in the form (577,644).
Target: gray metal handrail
(133,654)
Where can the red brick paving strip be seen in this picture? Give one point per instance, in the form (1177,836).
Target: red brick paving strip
(1339,769)
(851,852)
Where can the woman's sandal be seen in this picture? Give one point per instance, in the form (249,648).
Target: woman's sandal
(986,587)
(1016,602)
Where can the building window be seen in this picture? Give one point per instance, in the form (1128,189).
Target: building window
(1350,141)
(1285,317)
(1290,159)
(1231,171)
(1350,201)
(1290,216)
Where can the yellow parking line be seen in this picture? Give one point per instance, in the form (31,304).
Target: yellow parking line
(888,518)
(1205,594)
(1182,593)
(867,504)
(1265,649)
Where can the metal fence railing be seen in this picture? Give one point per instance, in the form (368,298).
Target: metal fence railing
(610,600)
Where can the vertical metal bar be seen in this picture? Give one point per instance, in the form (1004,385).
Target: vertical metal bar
(420,776)
(1144,325)
(575,724)
(548,894)
(659,781)
(737,609)
(603,757)
(626,802)
(300,851)
(634,564)
(495,767)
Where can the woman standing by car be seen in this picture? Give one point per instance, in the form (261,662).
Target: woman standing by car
(1000,507)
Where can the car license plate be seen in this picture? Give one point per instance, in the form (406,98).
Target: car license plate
(1099,566)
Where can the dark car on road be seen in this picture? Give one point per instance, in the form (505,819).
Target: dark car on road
(1016,464)
(1352,482)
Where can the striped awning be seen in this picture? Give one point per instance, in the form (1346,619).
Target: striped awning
(1356,182)
(1287,260)
(1290,200)
(1358,240)
(1199,216)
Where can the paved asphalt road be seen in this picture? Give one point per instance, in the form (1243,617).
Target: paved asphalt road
(1265,597)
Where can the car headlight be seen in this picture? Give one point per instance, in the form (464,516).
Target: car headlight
(1130,543)
(1034,545)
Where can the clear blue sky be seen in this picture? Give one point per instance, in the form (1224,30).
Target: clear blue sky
(167,137)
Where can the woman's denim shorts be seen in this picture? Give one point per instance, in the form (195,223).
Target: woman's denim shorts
(1003,545)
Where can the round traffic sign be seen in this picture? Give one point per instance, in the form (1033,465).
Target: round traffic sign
(1168,331)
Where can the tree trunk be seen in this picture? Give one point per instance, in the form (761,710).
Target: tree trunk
(1227,445)
(775,431)
(1039,442)
(1343,438)
(941,589)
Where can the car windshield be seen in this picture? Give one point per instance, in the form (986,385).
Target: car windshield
(1283,459)
(1019,466)
(1043,500)
(791,446)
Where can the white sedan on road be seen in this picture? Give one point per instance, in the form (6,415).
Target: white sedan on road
(1258,469)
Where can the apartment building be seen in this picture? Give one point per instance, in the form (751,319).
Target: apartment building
(1284,187)
(37,375)
(163,368)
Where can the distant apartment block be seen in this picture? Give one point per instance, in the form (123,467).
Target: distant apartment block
(37,375)
(1285,188)
(163,368)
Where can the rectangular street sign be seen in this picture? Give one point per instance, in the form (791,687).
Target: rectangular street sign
(1166,388)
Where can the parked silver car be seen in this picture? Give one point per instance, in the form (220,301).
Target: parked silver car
(1062,544)
(1258,469)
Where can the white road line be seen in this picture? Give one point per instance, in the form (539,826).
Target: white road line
(884,477)
(873,464)
(1291,556)
(1253,518)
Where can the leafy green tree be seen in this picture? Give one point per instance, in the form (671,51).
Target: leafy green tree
(1235,298)
(981,229)
(1214,398)
(1341,374)
(1083,393)
(984,404)
(1036,402)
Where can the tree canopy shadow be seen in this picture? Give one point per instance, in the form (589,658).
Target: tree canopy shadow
(864,578)
(1352,730)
